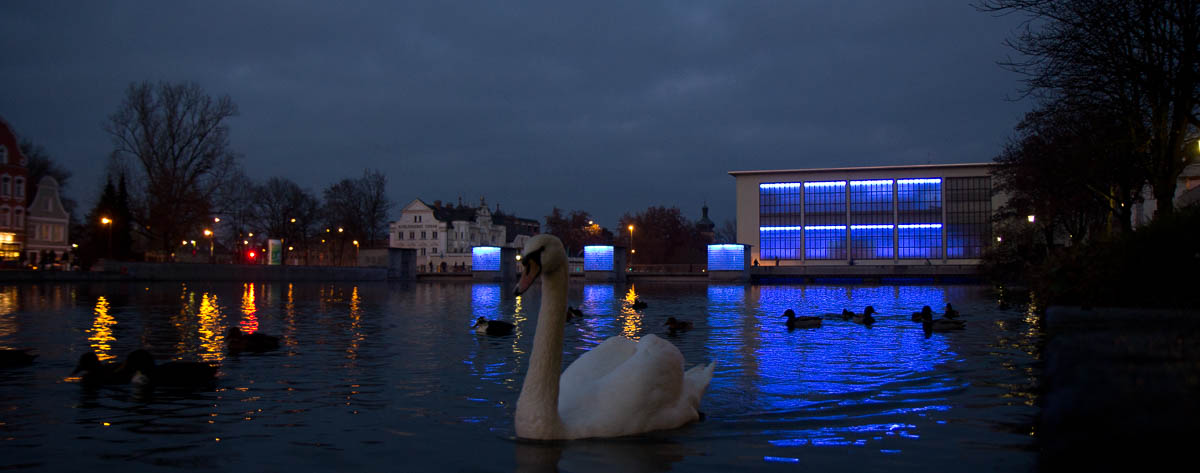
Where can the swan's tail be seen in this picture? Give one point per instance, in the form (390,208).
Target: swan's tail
(696,380)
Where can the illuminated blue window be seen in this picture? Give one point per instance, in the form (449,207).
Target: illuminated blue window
(779,214)
(871,241)
(597,258)
(920,240)
(919,200)
(825,242)
(779,242)
(726,257)
(485,258)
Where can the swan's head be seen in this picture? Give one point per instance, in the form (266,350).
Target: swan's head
(869,310)
(789,313)
(542,254)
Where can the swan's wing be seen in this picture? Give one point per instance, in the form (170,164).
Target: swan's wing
(594,365)
(695,381)
(644,393)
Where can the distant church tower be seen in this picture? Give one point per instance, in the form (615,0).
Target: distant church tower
(706,226)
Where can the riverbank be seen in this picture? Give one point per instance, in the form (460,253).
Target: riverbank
(1120,388)
(137,271)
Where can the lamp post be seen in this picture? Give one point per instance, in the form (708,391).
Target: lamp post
(631,249)
(208,233)
(356,252)
(108,223)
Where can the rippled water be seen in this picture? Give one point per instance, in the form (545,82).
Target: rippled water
(388,376)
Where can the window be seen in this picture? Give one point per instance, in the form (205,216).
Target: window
(410,235)
(434,235)
(968,213)
(871,216)
(5,186)
(4,217)
(779,217)
(919,208)
(825,220)
(18,217)
(422,235)
(399,235)
(19,187)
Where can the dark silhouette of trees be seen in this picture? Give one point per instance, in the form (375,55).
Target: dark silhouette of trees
(178,139)
(576,229)
(359,206)
(99,240)
(1139,57)
(284,210)
(726,232)
(39,165)
(663,235)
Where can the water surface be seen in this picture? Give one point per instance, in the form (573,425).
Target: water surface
(389,376)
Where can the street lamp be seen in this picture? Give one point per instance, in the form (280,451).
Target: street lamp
(208,233)
(355,252)
(108,223)
(1030,218)
(631,250)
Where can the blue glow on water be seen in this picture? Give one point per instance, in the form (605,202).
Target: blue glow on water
(781,459)
(726,257)
(485,258)
(598,258)
(485,300)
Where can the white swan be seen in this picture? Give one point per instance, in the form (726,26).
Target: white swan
(621,387)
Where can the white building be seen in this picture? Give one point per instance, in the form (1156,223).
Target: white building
(443,234)
(47,222)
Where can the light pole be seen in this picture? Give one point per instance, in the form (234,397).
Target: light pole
(356,252)
(108,223)
(208,233)
(631,249)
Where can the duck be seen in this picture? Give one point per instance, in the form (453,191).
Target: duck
(950,312)
(800,322)
(940,325)
(918,316)
(13,358)
(182,374)
(865,318)
(256,342)
(492,327)
(621,387)
(573,313)
(847,315)
(678,325)
(95,371)
(638,304)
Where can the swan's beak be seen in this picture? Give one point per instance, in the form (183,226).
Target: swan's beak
(532,271)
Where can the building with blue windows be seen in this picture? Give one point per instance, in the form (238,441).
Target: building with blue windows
(881,215)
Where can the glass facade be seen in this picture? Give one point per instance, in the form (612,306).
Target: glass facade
(925,218)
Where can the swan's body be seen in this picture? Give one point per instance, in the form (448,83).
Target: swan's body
(940,325)
(865,318)
(621,387)
(800,322)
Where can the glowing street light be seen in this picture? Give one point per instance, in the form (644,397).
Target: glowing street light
(216,219)
(1030,218)
(355,250)
(339,229)
(108,223)
(631,250)
(208,233)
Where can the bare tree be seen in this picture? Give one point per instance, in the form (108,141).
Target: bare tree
(727,232)
(284,210)
(178,138)
(1142,55)
(359,206)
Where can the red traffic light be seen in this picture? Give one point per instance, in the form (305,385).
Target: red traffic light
(251,255)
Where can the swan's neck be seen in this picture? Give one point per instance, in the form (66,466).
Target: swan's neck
(537,408)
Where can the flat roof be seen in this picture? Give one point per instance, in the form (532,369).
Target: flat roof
(863,168)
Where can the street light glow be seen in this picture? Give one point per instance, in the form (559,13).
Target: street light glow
(105,220)
(216,219)
(339,229)
(207,232)
(293,220)
(1030,218)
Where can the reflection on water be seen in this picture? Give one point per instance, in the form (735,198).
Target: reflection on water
(378,375)
(101,333)
(249,323)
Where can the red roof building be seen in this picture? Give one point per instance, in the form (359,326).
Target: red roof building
(13,177)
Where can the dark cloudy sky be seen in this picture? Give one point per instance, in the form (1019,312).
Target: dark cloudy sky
(608,106)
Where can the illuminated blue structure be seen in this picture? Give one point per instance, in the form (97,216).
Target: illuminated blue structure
(493,263)
(728,262)
(882,215)
(604,263)
(598,258)
(485,258)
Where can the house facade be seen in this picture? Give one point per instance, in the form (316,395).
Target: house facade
(13,174)
(443,233)
(46,230)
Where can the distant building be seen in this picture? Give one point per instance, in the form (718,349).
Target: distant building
(48,222)
(1187,192)
(883,215)
(13,174)
(706,226)
(445,233)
